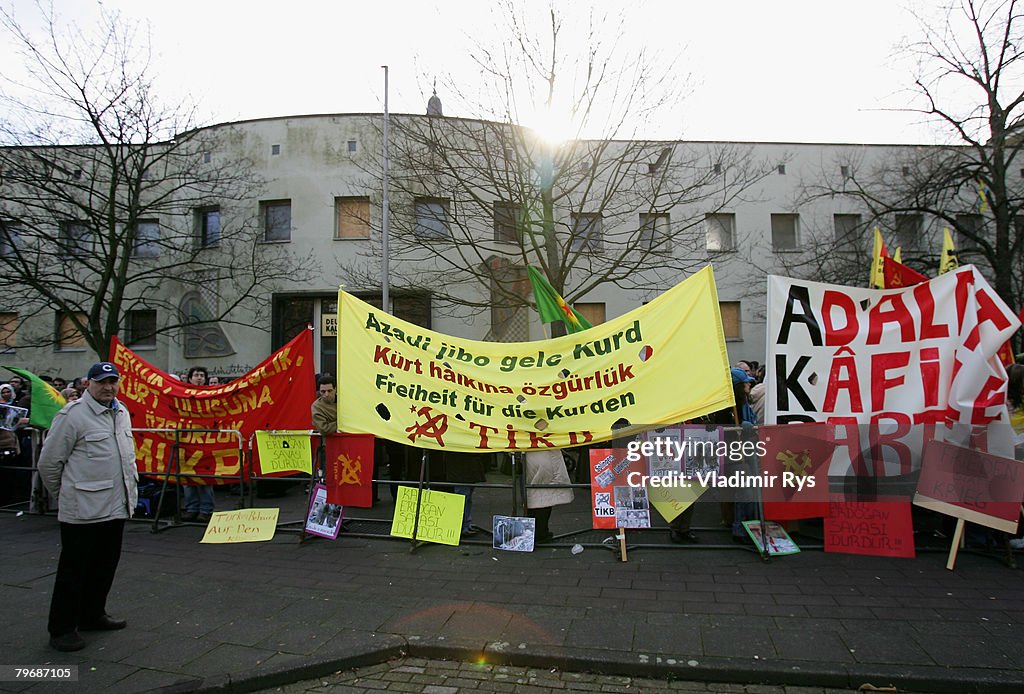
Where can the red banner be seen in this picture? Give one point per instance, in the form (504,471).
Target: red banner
(277,394)
(798,456)
(349,469)
(899,275)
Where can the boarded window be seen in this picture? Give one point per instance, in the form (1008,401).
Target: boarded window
(730,311)
(594,312)
(68,337)
(352,218)
(8,331)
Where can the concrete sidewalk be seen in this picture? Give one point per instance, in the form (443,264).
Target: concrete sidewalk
(253,616)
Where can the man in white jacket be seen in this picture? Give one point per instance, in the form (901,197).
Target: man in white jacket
(88,466)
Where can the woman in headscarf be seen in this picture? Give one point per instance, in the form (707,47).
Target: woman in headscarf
(8,439)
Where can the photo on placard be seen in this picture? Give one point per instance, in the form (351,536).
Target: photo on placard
(632,509)
(701,451)
(779,541)
(9,416)
(323,519)
(664,461)
(514,533)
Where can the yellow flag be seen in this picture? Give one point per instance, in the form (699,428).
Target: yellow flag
(878,251)
(948,260)
(898,255)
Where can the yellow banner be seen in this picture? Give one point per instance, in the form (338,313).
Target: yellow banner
(440,518)
(284,451)
(659,364)
(244,525)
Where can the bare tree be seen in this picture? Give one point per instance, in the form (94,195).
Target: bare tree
(477,200)
(113,205)
(970,82)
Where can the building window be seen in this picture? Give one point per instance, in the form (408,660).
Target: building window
(844,171)
(208,227)
(782,169)
(8,331)
(76,239)
(971,226)
(207,157)
(730,311)
(848,228)
(277,220)
(653,228)
(594,312)
(146,243)
(275,150)
(352,146)
(587,232)
(716,169)
(10,239)
(721,230)
(432,218)
(68,337)
(784,231)
(506,221)
(352,218)
(909,228)
(140,328)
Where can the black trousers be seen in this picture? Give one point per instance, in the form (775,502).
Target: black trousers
(89,553)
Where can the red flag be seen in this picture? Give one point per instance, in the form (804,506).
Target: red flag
(796,458)
(349,469)
(899,275)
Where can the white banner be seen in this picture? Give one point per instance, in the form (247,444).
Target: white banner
(891,369)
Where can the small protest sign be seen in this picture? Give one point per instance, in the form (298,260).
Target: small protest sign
(775,536)
(514,533)
(440,516)
(876,528)
(284,451)
(243,525)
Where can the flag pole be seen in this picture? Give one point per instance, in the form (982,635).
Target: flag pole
(385,233)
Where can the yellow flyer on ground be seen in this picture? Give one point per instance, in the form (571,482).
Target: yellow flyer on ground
(284,451)
(243,525)
(440,516)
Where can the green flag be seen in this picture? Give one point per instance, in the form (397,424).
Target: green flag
(551,306)
(46,401)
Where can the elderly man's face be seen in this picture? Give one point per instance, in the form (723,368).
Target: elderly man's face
(327,391)
(104,391)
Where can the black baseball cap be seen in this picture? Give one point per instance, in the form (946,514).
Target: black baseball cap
(101,371)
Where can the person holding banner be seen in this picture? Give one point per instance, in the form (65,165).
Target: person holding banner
(199,500)
(88,466)
(325,408)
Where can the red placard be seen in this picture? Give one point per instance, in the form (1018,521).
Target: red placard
(614,501)
(970,484)
(877,528)
(797,457)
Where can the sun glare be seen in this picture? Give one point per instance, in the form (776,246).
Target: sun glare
(551,126)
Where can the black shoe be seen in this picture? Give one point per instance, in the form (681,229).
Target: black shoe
(683,538)
(189,516)
(739,539)
(204,517)
(67,643)
(469,531)
(105,623)
(544,538)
